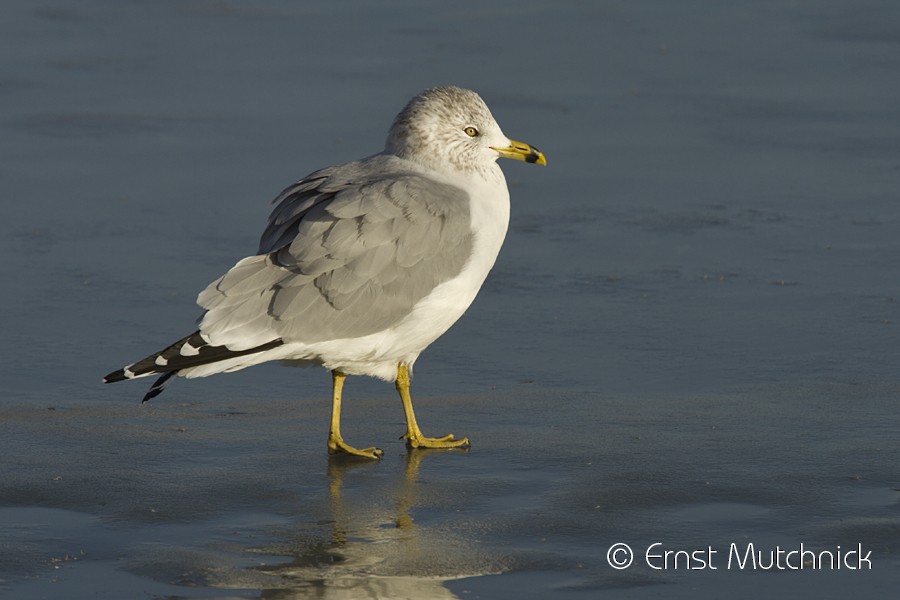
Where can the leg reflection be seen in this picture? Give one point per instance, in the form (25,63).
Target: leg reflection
(373,548)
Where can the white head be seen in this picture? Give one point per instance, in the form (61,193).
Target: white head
(450,128)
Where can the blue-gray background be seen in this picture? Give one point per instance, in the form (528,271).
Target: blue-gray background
(689,337)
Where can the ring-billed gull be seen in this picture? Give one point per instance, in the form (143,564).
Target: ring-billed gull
(364,264)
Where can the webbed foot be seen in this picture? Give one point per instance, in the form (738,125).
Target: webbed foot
(339,446)
(415,439)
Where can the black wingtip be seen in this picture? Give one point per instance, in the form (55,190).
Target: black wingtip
(115,376)
(158,386)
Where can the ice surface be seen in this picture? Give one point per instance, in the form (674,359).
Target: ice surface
(702,349)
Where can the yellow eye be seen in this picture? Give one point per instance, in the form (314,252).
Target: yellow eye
(471,131)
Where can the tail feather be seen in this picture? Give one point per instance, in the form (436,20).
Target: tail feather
(190,351)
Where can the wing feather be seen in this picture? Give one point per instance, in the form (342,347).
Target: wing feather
(348,252)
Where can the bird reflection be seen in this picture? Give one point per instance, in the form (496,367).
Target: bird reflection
(374,551)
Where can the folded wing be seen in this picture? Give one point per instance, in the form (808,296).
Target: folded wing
(347,252)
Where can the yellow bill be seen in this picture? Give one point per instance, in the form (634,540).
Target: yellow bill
(521,151)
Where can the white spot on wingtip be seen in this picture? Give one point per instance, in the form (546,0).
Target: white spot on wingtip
(161,361)
(129,374)
(188,350)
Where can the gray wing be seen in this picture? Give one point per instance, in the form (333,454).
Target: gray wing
(347,252)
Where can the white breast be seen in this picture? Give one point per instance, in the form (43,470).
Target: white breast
(378,354)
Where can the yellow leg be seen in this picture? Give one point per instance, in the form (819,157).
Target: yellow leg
(413,436)
(336,444)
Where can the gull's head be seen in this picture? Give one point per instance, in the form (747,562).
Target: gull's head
(450,128)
